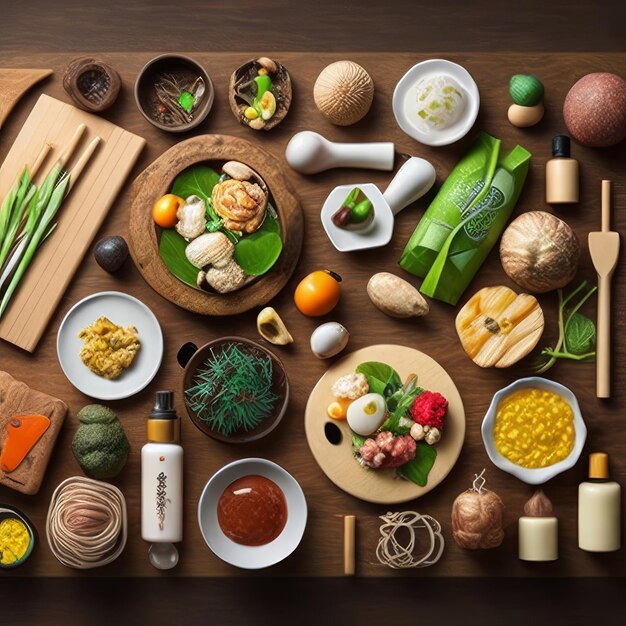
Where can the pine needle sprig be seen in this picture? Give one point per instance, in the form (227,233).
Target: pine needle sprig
(232,390)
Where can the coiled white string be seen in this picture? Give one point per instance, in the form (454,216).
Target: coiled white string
(399,556)
(86,523)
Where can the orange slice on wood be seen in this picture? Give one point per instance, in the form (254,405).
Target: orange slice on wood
(23,432)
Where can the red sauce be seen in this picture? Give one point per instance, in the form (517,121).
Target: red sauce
(252,511)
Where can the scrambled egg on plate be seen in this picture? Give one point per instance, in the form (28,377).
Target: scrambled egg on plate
(109,349)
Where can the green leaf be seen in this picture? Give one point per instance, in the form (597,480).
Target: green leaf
(257,253)
(186,101)
(270,224)
(417,470)
(580,334)
(172,250)
(380,376)
(197,180)
(404,406)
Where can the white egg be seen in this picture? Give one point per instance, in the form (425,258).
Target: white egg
(367,413)
(329,339)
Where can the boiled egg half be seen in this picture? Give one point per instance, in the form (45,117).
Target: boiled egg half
(367,413)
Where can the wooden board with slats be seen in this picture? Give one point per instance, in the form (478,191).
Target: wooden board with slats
(82,213)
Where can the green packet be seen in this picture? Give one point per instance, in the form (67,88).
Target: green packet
(464,221)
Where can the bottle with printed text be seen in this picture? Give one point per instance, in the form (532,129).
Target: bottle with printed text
(162,474)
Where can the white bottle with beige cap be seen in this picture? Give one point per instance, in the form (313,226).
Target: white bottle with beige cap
(599,508)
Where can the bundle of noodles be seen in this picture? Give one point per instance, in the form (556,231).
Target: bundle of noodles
(86,525)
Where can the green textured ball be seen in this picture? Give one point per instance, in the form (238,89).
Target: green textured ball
(526,90)
(100,444)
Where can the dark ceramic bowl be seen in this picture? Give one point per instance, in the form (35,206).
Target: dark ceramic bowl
(9,512)
(171,64)
(191,358)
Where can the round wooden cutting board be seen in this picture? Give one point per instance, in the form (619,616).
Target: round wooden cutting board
(337,461)
(157,179)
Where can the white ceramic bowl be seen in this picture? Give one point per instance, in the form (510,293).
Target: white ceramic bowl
(252,557)
(123,310)
(404,90)
(540,475)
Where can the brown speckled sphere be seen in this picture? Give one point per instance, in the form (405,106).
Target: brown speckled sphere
(343,92)
(595,110)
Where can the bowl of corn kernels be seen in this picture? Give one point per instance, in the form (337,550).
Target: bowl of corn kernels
(534,429)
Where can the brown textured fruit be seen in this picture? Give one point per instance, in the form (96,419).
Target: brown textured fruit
(595,110)
(539,252)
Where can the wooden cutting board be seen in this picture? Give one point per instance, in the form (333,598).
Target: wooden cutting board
(17,398)
(82,213)
(337,460)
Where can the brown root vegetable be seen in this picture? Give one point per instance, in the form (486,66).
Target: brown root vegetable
(539,252)
(395,296)
(477,517)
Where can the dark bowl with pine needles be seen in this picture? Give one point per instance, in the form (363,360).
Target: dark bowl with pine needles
(235,390)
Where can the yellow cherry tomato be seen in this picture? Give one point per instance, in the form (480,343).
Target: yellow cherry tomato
(318,293)
(165,209)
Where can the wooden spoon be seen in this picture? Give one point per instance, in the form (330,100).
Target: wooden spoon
(604,249)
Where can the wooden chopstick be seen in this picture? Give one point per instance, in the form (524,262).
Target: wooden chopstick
(67,155)
(82,162)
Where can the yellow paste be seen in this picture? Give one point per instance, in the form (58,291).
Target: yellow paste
(534,428)
(14,540)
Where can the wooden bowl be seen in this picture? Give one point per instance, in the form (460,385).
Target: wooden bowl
(171,63)
(191,360)
(157,179)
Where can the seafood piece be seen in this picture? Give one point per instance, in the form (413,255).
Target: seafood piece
(210,249)
(191,218)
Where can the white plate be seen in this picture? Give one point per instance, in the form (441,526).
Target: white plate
(123,310)
(252,557)
(404,90)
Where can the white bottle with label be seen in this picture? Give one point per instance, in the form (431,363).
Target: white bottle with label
(599,508)
(162,475)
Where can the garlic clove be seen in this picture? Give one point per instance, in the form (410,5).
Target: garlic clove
(329,339)
(272,328)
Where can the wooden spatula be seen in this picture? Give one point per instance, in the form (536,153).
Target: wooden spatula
(604,249)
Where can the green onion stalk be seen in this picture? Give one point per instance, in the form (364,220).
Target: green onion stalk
(34,217)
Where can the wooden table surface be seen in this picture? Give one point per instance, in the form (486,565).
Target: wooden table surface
(320,553)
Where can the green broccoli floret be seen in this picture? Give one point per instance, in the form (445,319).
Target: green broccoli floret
(100,444)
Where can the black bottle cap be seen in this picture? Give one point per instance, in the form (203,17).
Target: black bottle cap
(164,407)
(561,146)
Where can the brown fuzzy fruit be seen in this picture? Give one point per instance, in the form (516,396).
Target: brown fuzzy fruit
(595,110)
(539,252)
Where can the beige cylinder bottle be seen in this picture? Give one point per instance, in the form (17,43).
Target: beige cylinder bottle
(561,173)
(599,508)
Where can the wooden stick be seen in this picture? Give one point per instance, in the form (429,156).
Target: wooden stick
(39,160)
(82,162)
(606,206)
(67,155)
(349,532)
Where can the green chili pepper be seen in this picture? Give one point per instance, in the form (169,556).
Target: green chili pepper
(360,212)
(263,84)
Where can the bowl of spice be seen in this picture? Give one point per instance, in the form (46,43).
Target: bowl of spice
(174,92)
(17,537)
(235,390)
(252,513)
(534,429)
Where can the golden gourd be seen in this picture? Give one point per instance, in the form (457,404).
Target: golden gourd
(498,327)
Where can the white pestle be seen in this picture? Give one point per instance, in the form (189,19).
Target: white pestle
(413,180)
(310,153)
